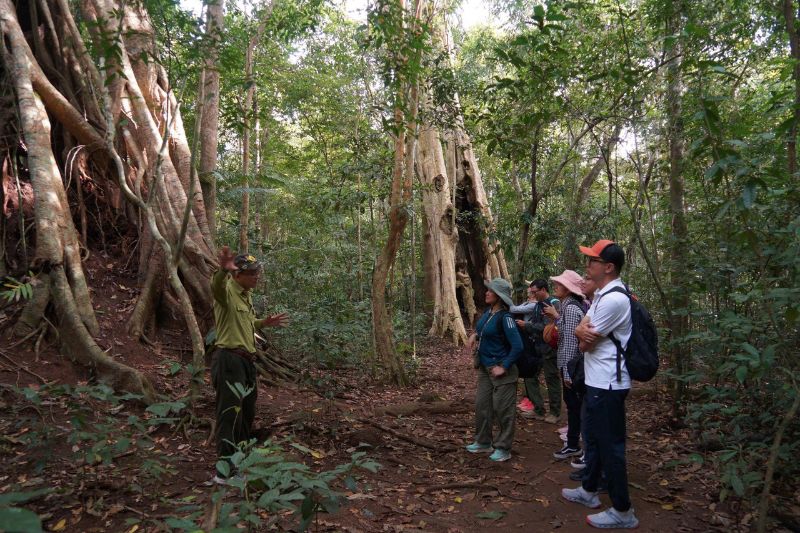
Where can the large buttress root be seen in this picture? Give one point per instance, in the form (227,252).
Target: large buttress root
(57,245)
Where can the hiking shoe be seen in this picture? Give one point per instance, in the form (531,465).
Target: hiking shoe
(579,495)
(577,475)
(217,480)
(525,405)
(478,448)
(566,452)
(613,519)
(500,455)
(551,419)
(578,462)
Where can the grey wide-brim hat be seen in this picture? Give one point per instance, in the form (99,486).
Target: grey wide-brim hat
(501,288)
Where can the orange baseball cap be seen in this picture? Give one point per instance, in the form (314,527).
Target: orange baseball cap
(596,249)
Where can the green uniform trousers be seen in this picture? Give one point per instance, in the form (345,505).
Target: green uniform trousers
(552,379)
(235,413)
(495,400)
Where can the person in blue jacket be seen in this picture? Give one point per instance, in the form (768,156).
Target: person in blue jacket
(497,346)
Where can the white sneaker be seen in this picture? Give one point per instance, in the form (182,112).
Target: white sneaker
(613,519)
(578,462)
(581,496)
(218,480)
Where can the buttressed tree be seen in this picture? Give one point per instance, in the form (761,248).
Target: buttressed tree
(100,125)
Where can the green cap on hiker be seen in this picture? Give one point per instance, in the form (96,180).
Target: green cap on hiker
(501,288)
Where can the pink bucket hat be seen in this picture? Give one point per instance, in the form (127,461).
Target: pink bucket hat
(571,280)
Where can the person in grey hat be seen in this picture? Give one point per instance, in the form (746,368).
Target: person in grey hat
(497,346)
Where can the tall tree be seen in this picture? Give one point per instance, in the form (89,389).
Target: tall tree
(679,291)
(209,128)
(404,30)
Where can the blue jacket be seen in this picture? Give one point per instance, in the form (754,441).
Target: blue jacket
(500,343)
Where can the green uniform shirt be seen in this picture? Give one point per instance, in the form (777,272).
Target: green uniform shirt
(234,313)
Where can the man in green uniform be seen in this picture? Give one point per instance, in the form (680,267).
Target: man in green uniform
(233,373)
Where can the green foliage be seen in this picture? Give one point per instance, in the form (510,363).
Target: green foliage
(16,519)
(267,480)
(96,439)
(15,290)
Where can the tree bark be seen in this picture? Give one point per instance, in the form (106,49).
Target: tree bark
(209,135)
(443,235)
(679,321)
(790,16)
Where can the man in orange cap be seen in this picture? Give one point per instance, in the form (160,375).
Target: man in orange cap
(607,386)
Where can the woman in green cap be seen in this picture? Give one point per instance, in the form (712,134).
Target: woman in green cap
(499,345)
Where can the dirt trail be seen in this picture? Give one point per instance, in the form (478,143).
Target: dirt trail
(435,488)
(420,489)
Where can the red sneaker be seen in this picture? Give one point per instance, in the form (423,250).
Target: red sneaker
(525,405)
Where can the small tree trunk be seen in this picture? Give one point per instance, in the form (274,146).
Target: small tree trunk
(399,199)
(679,320)
(209,134)
(569,256)
(533,205)
(790,16)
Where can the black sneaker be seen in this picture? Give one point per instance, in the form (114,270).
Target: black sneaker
(577,475)
(578,462)
(566,452)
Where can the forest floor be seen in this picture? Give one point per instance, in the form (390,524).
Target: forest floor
(427,482)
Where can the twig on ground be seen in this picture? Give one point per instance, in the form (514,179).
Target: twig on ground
(425,443)
(22,367)
(474,484)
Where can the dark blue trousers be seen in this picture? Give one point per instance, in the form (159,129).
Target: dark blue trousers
(604,424)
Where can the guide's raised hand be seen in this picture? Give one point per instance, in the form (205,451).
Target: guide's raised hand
(281,320)
(226,257)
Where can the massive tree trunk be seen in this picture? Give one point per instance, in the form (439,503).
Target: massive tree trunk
(57,247)
(480,255)
(209,135)
(483,256)
(442,232)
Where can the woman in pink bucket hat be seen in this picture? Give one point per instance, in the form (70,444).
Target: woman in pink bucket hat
(568,287)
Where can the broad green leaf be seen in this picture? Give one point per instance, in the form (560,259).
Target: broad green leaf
(17,520)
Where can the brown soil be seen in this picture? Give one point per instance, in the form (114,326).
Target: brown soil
(417,488)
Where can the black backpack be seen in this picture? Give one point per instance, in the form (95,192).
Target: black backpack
(530,362)
(641,355)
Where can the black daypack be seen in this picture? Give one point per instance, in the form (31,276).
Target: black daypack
(530,362)
(641,354)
